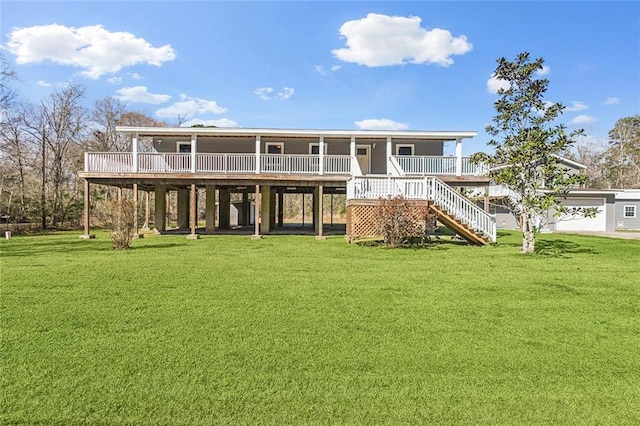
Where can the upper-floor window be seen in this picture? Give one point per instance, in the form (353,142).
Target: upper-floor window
(274,147)
(184,147)
(629,211)
(314,148)
(404,149)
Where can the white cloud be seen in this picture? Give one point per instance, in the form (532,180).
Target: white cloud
(326,71)
(223,122)
(188,107)
(139,94)
(583,119)
(43,83)
(612,101)
(380,124)
(544,71)
(264,92)
(135,76)
(114,80)
(381,40)
(576,106)
(93,48)
(494,83)
(267,93)
(286,93)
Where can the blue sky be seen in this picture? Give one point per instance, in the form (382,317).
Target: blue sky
(328,65)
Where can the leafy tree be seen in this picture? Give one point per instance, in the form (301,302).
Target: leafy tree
(527,144)
(622,159)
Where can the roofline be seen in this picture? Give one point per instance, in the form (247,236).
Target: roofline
(239,131)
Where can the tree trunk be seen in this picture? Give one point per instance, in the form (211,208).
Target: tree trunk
(528,234)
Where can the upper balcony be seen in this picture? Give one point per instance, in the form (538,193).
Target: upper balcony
(215,153)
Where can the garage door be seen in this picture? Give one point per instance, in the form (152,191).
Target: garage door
(580,223)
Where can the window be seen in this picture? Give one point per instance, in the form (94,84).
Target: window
(630,211)
(404,149)
(362,151)
(274,147)
(314,148)
(184,147)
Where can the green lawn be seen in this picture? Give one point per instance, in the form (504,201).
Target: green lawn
(290,330)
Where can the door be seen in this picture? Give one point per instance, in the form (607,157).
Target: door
(581,223)
(363,155)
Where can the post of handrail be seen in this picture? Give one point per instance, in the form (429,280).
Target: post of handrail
(86,161)
(134,146)
(258,154)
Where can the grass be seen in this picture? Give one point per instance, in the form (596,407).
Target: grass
(289,330)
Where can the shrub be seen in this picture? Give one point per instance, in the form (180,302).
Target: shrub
(118,215)
(400,221)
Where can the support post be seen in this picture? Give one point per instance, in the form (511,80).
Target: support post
(458,157)
(246,209)
(194,213)
(134,149)
(389,154)
(136,234)
(86,212)
(224,208)
(210,208)
(281,208)
(256,215)
(321,155)
(272,208)
(147,211)
(160,220)
(183,208)
(258,154)
(487,208)
(352,154)
(194,143)
(265,204)
(320,218)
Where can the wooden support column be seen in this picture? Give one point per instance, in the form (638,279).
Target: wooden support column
(160,220)
(210,208)
(320,218)
(193,210)
(256,218)
(224,208)
(86,212)
(183,208)
(281,208)
(147,211)
(246,209)
(272,208)
(314,209)
(136,226)
(265,209)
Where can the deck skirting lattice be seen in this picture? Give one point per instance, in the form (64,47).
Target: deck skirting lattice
(362,221)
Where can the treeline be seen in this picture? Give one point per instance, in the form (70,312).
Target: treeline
(616,164)
(42,146)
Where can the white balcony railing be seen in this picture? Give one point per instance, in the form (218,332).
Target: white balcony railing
(155,162)
(337,164)
(226,163)
(424,165)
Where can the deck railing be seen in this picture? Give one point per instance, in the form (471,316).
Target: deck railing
(424,165)
(425,188)
(225,163)
(108,162)
(156,162)
(337,164)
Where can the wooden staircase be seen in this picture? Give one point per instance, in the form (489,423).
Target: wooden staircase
(454,210)
(466,232)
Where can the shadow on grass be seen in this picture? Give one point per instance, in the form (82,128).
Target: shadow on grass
(560,248)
